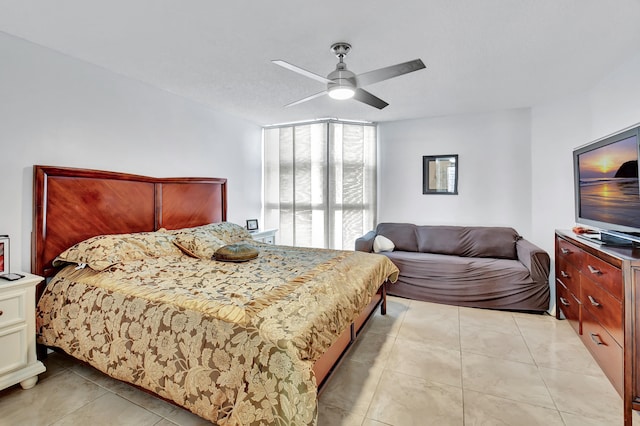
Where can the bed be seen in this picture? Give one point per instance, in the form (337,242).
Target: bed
(236,343)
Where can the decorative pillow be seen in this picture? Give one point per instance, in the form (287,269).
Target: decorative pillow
(239,252)
(102,251)
(200,244)
(227,232)
(382,243)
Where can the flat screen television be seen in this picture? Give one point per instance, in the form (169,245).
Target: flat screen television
(607,191)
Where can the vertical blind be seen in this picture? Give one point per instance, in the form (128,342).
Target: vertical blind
(320,183)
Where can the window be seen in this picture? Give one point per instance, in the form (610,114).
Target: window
(320,183)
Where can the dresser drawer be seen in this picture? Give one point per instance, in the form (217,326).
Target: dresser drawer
(569,253)
(606,309)
(569,276)
(269,240)
(13,354)
(569,306)
(604,349)
(11,309)
(604,274)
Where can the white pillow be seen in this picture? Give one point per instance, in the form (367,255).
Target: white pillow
(382,243)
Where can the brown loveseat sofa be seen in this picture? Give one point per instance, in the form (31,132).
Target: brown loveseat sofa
(484,267)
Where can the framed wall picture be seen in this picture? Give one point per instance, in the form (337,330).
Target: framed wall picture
(440,174)
(4,254)
(252,224)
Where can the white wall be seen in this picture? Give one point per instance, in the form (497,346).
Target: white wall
(494,183)
(560,126)
(55,110)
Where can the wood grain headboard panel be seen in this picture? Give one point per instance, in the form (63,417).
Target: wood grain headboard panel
(71,205)
(175,213)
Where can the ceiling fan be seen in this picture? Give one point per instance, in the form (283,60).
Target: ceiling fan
(344,84)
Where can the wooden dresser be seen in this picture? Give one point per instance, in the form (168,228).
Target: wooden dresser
(597,291)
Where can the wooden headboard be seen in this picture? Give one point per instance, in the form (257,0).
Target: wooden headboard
(71,205)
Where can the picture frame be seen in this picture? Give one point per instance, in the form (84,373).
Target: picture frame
(4,254)
(252,224)
(440,174)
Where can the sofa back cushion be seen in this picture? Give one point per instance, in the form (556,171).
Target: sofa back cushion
(440,239)
(469,241)
(402,235)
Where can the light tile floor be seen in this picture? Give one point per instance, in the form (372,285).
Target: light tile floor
(421,364)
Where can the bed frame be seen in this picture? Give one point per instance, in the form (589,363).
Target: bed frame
(71,205)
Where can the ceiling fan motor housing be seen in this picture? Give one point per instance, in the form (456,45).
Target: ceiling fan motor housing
(341,77)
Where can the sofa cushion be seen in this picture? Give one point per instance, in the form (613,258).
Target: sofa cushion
(472,241)
(498,242)
(440,239)
(403,235)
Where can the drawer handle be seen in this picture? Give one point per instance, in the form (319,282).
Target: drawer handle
(563,274)
(594,270)
(564,301)
(1,312)
(593,301)
(565,251)
(596,339)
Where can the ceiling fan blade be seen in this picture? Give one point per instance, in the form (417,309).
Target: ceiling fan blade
(299,70)
(308,98)
(369,99)
(386,73)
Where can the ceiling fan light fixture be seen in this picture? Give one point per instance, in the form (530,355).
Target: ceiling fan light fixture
(341,92)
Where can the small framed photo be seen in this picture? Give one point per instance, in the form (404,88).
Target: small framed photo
(4,254)
(252,224)
(440,174)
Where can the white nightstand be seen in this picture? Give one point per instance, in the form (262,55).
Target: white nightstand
(265,236)
(18,362)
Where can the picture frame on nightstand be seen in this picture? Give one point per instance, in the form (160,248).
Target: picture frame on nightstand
(4,254)
(252,225)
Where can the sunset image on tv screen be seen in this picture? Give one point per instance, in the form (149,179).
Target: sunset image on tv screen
(609,183)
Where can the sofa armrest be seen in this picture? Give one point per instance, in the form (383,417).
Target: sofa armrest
(535,259)
(365,243)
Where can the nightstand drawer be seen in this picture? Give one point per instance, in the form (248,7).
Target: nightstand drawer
(11,309)
(267,236)
(18,361)
(13,354)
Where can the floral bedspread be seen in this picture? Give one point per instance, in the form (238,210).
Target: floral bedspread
(234,343)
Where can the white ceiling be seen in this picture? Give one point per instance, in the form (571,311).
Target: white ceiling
(480,55)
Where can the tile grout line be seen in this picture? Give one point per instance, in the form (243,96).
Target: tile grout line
(384,368)
(464,417)
(161,417)
(555,404)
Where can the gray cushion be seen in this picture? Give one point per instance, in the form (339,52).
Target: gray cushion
(498,242)
(440,239)
(403,235)
(471,241)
